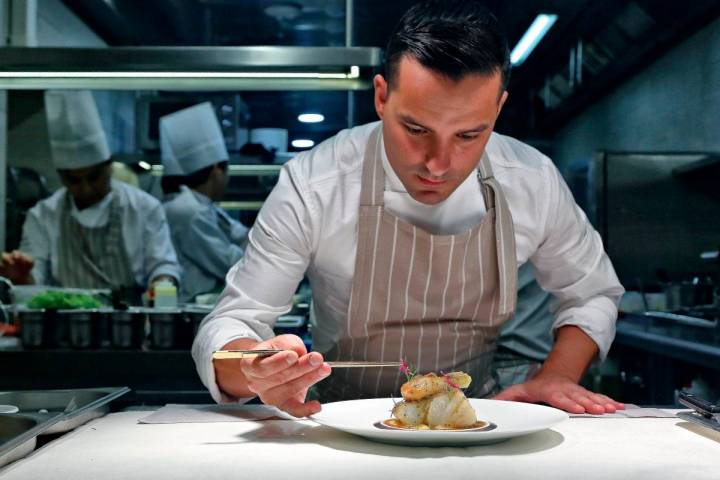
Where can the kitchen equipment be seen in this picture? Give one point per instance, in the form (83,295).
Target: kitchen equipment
(84,326)
(705,413)
(128,328)
(238,354)
(18,433)
(75,407)
(33,331)
(168,328)
(195,315)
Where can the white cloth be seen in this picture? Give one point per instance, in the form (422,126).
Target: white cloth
(145,232)
(117,447)
(77,139)
(190,140)
(94,216)
(309,221)
(208,242)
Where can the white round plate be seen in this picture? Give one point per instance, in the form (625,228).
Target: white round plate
(511,419)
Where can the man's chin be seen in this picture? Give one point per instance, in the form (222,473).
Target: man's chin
(428,197)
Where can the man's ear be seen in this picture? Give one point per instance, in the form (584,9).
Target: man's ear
(381,92)
(503,97)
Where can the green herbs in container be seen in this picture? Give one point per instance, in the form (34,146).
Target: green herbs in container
(53,300)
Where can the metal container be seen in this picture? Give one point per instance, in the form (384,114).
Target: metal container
(83,326)
(76,407)
(165,327)
(18,433)
(194,316)
(128,328)
(32,328)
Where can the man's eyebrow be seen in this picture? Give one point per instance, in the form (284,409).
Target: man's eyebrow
(410,120)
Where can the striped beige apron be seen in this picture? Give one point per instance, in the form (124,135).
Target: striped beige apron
(436,301)
(93,257)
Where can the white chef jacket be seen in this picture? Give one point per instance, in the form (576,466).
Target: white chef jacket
(208,242)
(144,228)
(309,225)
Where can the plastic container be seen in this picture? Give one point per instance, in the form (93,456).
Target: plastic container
(165,295)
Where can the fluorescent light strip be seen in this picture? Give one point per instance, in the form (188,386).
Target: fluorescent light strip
(354,74)
(532,37)
(311,117)
(302,143)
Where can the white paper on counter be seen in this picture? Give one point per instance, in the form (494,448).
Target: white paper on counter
(177,413)
(631,411)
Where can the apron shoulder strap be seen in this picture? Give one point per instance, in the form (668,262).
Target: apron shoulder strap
(373,176)
(504,235)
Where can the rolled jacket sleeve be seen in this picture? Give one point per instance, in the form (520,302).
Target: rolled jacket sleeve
(160,256)
(260,287)
(35,242)
(572,264)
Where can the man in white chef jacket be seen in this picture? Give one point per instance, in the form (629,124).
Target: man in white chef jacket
(208,241)
(93,232)
(411,231)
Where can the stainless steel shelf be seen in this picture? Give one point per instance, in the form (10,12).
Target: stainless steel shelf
(190,68)
(236,170)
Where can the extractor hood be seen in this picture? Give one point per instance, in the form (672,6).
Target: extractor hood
(189,68)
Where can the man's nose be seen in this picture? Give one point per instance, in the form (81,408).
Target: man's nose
(438,159)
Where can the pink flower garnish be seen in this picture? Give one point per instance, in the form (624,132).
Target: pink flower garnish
(407,369)
(450,382)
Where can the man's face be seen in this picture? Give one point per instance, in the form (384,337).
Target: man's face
(435,129)
(88,185)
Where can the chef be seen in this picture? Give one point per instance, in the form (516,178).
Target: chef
(93,232)
(208,241)
(411,231)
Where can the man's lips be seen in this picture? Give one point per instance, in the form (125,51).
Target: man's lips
(431,183)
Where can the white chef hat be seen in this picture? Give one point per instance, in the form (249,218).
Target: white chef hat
(190,140)
(77,139)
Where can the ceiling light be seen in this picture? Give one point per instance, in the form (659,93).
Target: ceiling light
(532,37)
(311,117)
(302,143)
(144,165)
(283,11)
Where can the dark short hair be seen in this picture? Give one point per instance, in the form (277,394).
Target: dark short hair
(196,179)
(451,37)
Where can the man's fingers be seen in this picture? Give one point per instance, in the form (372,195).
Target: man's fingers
(566,403)
(287,342)
(271,371)
(269,366)
(516,393)
(280,394)
(297,408)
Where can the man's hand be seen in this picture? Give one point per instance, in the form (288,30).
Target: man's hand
(557,382)
(281,380)
(17,266)
(561,392)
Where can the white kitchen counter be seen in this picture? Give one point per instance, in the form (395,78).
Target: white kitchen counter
(117,447)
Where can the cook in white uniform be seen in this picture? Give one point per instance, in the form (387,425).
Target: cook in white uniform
(93,232)
(207,240)
(410,231)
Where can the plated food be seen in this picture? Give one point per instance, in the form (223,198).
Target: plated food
(432,402)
